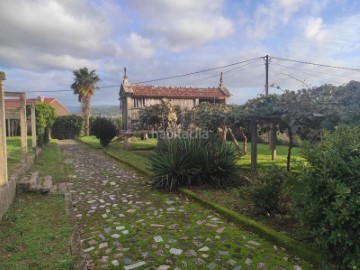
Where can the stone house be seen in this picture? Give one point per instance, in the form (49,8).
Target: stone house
(134,97)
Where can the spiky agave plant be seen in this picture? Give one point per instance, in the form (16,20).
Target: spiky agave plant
(192,161)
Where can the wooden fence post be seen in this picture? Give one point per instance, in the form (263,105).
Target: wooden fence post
(253,131)
(33,128)
(273,141)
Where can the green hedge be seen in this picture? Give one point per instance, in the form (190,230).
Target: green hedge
(330,203)
(67,127)
(45,116)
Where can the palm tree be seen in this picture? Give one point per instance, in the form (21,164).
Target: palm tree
(84,86)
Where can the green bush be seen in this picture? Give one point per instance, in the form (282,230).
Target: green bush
(67,127)
(92,119)
(330,204)
(269,191)
(45,116)
(104,129)
(181,162)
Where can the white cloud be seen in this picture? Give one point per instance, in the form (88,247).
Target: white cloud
(329,39)
(343,35)
(314,29)
(137,47)
(179,25)
(30,28)
(268,18)
(288,7)
(41,60)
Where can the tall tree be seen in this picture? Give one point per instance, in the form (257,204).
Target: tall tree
(84,86)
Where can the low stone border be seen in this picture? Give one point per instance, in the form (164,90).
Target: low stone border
(89,144)
(139,170)
(7,192)
(75,242)
(294,247)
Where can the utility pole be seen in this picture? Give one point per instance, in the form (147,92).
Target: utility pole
(266,75)
(272,135)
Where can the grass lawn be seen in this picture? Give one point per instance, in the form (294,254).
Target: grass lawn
(144,149)
(49,163)
(13,145)
(264,155)
(35,232)
(137,144)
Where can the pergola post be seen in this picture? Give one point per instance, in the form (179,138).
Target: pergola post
(33,127)
(253,131)
(3,153)
(23,127)
(7,123)
(273,141)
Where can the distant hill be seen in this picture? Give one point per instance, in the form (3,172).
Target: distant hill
(105,110)
(98,110)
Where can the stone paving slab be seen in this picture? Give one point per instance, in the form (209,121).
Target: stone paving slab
(125,224)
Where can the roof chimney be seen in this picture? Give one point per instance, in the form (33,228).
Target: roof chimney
(221,80)
(125,80)
(41,98)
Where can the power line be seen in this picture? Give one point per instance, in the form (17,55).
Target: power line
(215,68)
(196,72)
(45,91)
(108,86)
(313,75)
(315,64)
(317,71)
(296,79)
(224,72)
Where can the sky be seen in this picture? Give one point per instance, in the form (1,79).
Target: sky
(43,41)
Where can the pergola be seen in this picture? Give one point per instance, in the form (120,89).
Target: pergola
(7,189)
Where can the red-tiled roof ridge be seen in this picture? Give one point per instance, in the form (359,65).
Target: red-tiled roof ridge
(176,91)
(14,103)
(47,100)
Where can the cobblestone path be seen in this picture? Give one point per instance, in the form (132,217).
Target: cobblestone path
(125,224)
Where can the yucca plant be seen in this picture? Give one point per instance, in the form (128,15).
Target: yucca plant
(192,161)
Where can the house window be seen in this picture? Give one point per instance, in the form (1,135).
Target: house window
(139,102)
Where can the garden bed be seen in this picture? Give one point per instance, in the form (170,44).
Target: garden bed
(231,199)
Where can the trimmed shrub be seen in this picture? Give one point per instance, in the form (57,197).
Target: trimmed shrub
(92,119)
(330,203)
(45,116)
(67,127)
(269,190)
(104,129)
(181,162)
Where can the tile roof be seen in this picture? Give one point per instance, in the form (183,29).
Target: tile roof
(176,92)
(15,103)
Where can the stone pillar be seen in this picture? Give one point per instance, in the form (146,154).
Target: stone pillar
(23,127)
(127,112)
(33,127)
(3,153)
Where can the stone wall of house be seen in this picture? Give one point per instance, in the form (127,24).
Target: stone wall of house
(138,103)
